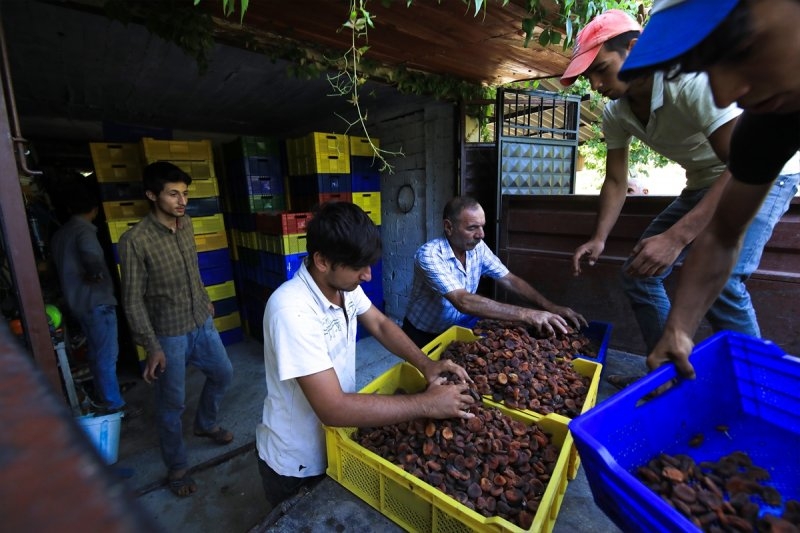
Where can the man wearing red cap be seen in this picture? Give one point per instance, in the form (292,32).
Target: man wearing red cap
(677,118)
(751,52)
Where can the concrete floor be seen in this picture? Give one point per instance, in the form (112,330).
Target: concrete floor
(230,498)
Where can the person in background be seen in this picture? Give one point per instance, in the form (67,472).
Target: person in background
(89,293)
(310,326)
(170,315)
(750,50)
(676,117)
(447,271)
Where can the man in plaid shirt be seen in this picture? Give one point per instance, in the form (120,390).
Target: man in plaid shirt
(171,315)
(447,271)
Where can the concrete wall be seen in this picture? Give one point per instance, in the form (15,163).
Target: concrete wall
(425,135)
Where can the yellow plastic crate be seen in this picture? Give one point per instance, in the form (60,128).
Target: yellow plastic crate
(589,369)
(117,227)
(370,202)
(226,322)
(361,146)
(247,239)
(126,209)
(320,143)
(415,505)
(158,150)
(319,164)
(203,188)
(211,241)
(116,161)
(221,291)
(115,153)
(209,224)
(198,170)
(281,244)
(141,353)
(318,153)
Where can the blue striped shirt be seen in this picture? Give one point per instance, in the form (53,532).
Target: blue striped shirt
(437,272)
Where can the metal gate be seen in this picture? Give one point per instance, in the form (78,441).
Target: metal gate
(537,142)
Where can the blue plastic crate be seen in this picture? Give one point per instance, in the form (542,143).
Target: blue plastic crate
(226,306)
(283,265)
(262,185)
(747,384)
(203,207)
(600,334)
(216,274)
(364,163)
(213,258)
(231,336)
(365,182)
(313,184)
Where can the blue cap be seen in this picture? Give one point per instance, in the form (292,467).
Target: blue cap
(675,27)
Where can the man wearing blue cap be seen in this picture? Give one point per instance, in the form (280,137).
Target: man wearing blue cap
(751,52)
(677,118)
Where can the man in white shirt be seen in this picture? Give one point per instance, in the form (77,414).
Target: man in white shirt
(310,327)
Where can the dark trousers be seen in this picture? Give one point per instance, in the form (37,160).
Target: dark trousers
(420,338)
(278,488)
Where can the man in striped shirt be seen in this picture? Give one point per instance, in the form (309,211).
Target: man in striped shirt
(170,315)
(447,271)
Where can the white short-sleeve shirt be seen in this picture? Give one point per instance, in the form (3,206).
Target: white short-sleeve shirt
(682,117)
(304,333)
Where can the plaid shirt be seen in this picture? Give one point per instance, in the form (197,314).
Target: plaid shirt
(437,271)
(162,292)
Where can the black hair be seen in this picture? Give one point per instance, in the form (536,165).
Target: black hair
(79,199)
(619,43)
(453,208)
(156,175)
(344,234)
(724,44)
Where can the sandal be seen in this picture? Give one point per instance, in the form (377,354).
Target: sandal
(219,435)
(182,486)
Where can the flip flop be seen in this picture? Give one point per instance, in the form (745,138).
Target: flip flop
(182,486)
(219,435)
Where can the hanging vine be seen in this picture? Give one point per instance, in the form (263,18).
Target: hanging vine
(348,81)
(193,31)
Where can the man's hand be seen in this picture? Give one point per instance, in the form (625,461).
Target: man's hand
(448,400)
(591,249)
(576,319)
(544,322)
(653,255)
(211,308)
(434,370)
(674,346)
(156,365)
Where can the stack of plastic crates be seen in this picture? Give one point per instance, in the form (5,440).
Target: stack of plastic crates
(365,182)
(319,170)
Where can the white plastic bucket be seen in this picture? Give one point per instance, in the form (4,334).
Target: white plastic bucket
(104,433)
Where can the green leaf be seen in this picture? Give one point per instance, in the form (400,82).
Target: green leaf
(528,25)
(245,5)
(555,37)
(544,37)
(478,5)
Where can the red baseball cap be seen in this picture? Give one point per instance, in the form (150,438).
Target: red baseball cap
(602,28)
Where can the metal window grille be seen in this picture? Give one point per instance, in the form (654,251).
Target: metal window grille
(537,136)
